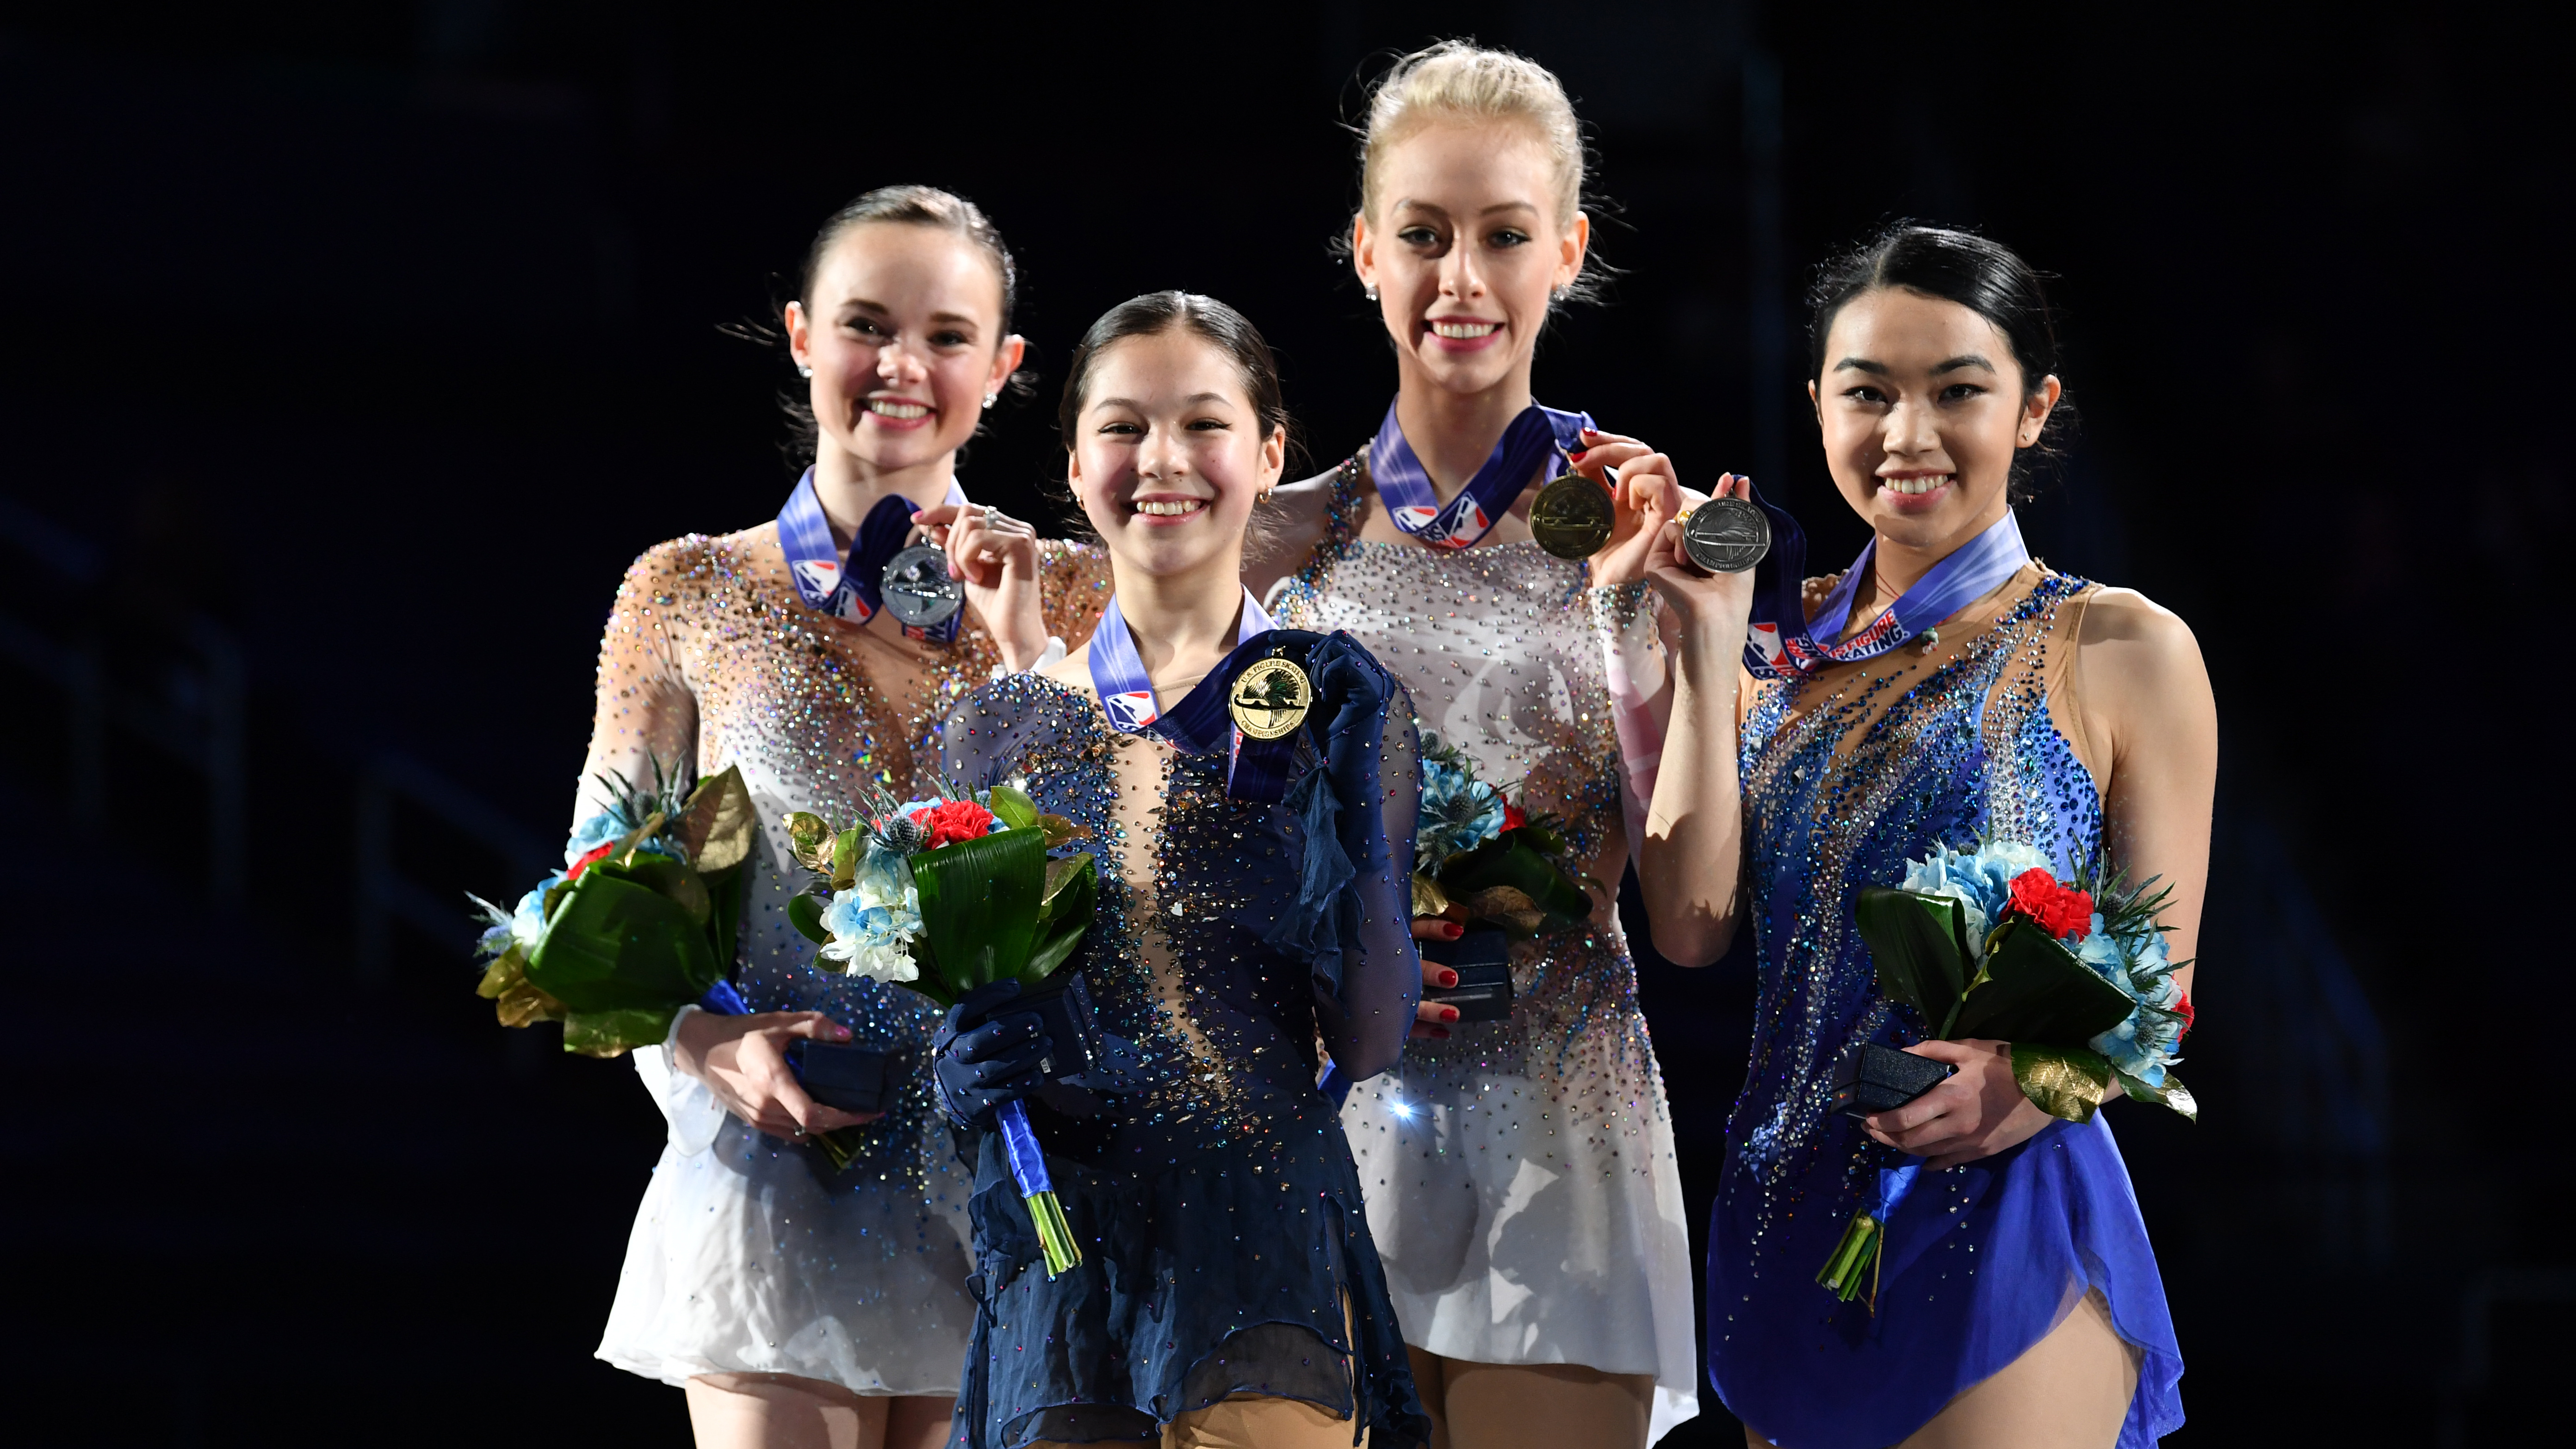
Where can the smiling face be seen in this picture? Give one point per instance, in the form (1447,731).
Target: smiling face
(1922,408)
(1169,455)
(1465,249)
(905,339)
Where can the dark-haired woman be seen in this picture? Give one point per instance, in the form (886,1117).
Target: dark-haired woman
(1252,899)
(1946,686)
(801,1305)
(1521,1176)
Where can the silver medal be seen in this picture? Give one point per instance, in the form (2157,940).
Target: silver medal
(1726,535)
(918,589)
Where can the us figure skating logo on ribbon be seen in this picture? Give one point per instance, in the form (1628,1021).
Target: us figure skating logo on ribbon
(1414,506)
(1131,711)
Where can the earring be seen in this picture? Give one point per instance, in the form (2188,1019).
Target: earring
(1369,291)
(988,400)
(803,371)
(1556,294)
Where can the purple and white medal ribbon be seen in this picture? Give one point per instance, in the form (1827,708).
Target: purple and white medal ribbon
(1415,507)
(852,590)
(1256,770)
(1119,675)
(1783,642)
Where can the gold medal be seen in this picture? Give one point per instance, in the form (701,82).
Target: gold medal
(1270,698)
(1572,516)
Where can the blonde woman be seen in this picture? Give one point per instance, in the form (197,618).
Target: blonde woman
(1520,1174)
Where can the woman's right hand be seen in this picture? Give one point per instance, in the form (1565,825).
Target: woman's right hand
(1431,1019)
(1712,611)
(743,1060)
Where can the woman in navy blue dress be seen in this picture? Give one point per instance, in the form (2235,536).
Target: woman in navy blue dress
(1252,900)
(1946,687)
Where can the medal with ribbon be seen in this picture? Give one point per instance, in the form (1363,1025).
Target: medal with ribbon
(1252,704)
(1404,486)
(881,572)
(1783,642)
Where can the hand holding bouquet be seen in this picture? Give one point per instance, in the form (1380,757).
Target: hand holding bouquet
(951,897)
(1989,943)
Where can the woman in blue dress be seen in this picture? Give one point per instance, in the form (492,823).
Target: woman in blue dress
(1946,687)
(1254,897)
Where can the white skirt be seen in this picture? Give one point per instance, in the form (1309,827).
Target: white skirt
(1528,1223)
(746,1259)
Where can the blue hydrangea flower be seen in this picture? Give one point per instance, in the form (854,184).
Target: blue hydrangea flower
(1979,880)
(1458,813)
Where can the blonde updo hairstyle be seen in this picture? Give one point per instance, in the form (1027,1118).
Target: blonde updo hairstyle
(1458,82)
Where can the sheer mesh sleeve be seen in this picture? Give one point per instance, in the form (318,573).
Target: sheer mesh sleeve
(1073,587)
(1364,1025)
(644,710)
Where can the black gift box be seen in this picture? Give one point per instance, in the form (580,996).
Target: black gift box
(850,1077)
(1063,1006)
(1873,1078)
(1483,961)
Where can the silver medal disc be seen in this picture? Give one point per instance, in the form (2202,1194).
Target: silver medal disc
(917,587)
(1726,535)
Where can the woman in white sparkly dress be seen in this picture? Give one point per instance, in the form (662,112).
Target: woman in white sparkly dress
(799,1304)
(1520,1173)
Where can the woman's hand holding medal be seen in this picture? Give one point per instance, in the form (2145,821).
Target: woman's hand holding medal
(1644,495)
(995,557)
(1712,611)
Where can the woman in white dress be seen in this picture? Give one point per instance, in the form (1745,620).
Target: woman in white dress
(1520,1173)
(798,1303)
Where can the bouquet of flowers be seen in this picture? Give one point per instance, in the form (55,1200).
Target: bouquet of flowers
(640,921)
(1990,943)
(946,895)
(1482,862)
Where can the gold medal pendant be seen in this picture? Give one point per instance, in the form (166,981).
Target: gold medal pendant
(1270,699)
(1572,516)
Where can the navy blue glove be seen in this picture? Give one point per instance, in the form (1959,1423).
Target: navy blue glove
(982,1066)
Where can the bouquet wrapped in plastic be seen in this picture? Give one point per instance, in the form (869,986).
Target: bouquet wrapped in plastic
(948,895)
(640,922)
(1989,943)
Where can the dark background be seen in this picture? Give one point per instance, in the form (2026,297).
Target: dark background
(351,351)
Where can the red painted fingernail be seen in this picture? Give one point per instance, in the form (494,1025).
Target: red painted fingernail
(1448,1013)
(1439,1033)
(1448,978)
(1452,930)
(840,1033)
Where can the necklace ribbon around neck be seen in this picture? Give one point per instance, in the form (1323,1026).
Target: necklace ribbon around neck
(1784,643)
(853,590)
(1200,724)
(1404,485)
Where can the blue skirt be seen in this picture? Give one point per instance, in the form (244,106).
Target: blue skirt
(1980,1263)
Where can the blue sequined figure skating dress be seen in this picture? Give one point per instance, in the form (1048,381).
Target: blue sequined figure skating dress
(1848,774)
(750,1254)
(1225,1241)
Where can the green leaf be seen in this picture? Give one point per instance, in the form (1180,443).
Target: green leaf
(1510,862)
(619,945)
(2036,991)
(660,873)
(1012,808)
(979,905)
(1070,884)
(1918,943)
(2173,1095)
(805,913)
(615,1033)
(2064,1082)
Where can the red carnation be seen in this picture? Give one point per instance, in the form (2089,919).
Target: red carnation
(583,864)
(2060,910)
(1513,819)
(2184,1007)
(950,821)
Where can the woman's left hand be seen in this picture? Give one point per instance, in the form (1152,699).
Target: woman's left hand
(1646,496)
(996,557)
(1978,1112)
